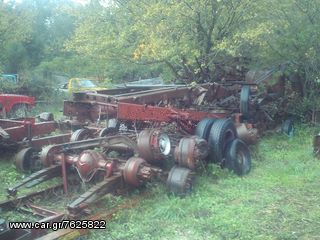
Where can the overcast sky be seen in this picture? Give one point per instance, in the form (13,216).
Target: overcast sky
(81,1)
(78,1)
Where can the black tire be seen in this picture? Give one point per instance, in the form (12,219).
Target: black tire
(180,181)
(222,132)
(287,127)
(108,131)
(203,128)
(25,161)
(244,100)
(238,157)
(80,134)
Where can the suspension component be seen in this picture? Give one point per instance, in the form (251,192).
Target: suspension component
(47,155)
(180,181)
(137,171)
(153,145)
(26,160)
(247,134)
(80,134)
(89,162)
(191,151)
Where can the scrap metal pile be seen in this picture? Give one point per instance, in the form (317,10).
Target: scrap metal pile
(124,138)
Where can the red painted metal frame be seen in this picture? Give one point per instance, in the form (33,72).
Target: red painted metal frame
(8,123)
(136,112)
(7,101)
(105,104)
(20,130)
(152,96)
(89,110)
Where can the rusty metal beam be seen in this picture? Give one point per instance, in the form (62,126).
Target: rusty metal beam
(44,174)
(74,233)
(12,203)
(89,110)
(38,143)
(43,212)
(7,123)
(29,130)
(112,95)
(106,186)
(97,142)
(136,112)
(103,105)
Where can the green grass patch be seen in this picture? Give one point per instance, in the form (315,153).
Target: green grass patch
(279,199)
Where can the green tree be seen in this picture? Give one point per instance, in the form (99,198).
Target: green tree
(188,37)
(15,29)
(288,34)
(34,31)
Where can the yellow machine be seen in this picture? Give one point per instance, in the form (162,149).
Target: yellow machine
(81,84)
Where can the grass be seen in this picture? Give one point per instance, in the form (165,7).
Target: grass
(279,199)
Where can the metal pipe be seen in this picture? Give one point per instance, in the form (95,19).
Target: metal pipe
(64,174)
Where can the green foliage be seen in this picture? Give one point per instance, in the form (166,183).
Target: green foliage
(33,31)
(183,41)
(13,37)
(8,87)
(287,34)
(188,37)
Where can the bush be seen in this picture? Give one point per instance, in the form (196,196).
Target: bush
(41,88)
